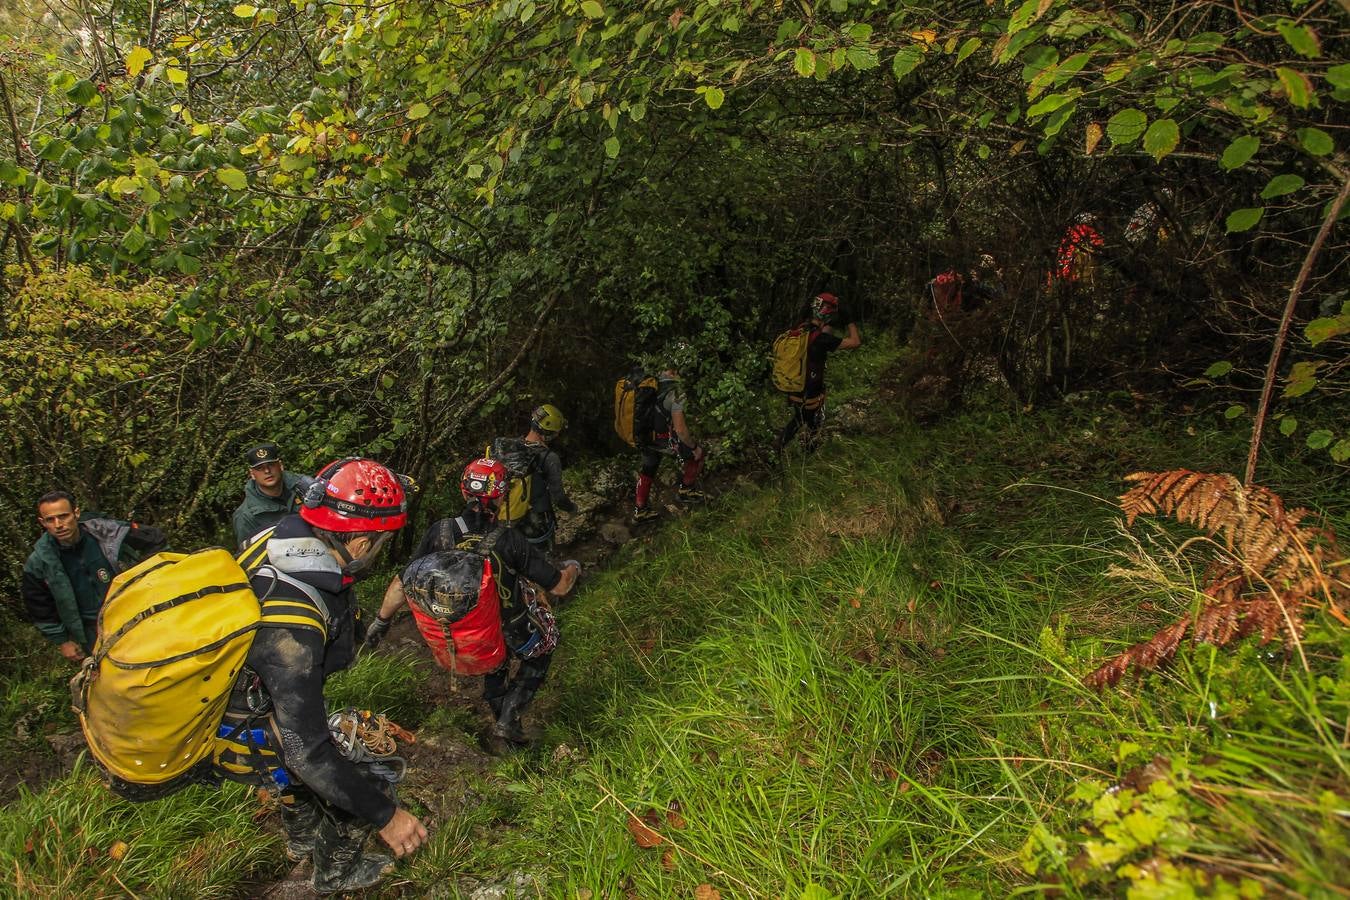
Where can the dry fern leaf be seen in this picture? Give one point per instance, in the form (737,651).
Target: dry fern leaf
(1273,571)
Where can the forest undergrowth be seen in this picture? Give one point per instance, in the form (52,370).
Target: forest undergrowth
(860,678)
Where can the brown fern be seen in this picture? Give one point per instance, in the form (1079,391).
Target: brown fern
(1268,573)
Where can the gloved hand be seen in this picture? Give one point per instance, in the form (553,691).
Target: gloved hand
(567,505)
(376,632)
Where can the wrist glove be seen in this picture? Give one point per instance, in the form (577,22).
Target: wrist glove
(376,632)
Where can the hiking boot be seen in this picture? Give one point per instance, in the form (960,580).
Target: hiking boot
(340,861)
(645,514)
(688,492)
(300,819)
(508,727)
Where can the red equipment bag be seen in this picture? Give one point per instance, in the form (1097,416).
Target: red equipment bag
(456,602)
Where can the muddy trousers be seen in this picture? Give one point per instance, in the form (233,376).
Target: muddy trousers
(508,697)
(333,838)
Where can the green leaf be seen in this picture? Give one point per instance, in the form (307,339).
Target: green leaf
(137,59)
(714,96)
(906,61)
(612,147)
(1234,411)
(1126,126)
(188,265)
(1288,425)
(804,62)
(1161,138)
(232,178)
(1050,103)
(133,240)
(1319,330)
(862,58)
(1281,185)
(860,32)
(1301,37)
(1341,451)
(969,47)
(83,92)
(1339,76)
(1316,141)
(593,10)
(1302,379)
(1240,220)
(244,11)
(1296,86)
(1219,369)
(418,111)
(1239,151)
(1319,439)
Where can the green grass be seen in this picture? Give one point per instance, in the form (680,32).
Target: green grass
(63,842)
(861,678)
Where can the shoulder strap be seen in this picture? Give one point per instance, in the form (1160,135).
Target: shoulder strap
(462,525)
(287,611)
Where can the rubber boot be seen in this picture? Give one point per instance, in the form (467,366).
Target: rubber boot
(300,817)
(508,725)
(340,863)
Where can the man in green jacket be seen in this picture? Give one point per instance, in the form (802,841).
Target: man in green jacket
(66,576)
(270,494)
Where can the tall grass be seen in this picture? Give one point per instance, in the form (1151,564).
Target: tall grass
(75,839)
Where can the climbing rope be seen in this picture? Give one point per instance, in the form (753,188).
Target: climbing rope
(365,737)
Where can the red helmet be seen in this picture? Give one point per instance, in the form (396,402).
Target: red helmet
(355,494)
(483,479)
(824,305)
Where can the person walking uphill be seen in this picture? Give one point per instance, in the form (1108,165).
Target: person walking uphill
(467,587)
(66,577)
(669,435)
(330,804)
(270,494)
(535,471)
(808,406)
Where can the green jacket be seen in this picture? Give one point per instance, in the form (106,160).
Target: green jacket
(259,511)
(52,600)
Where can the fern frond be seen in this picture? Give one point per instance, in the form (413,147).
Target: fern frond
(1271,571)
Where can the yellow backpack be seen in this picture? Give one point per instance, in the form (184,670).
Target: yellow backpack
(173,634)
(634,402)
(789,359)
(521,464)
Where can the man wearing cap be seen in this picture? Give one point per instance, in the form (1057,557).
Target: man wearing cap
(270,494)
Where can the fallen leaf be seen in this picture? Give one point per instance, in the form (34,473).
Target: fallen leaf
(584,894)
(118,850)
(935,585)
(675,18)
(643,834)
(706,891)
(855,602)
(905,786)
(673,817)
(668,860)
(910,605)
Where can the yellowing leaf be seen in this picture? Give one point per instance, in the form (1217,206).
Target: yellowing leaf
(176,75)
(137,59)
(418,111)
(1296,86)
(119,849)
(593,9)
(714,97)
(925,36)
(244,11)
(1093,137)
(232,178)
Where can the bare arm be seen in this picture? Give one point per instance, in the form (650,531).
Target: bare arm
(854,338)
(394,598)
(681,427)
